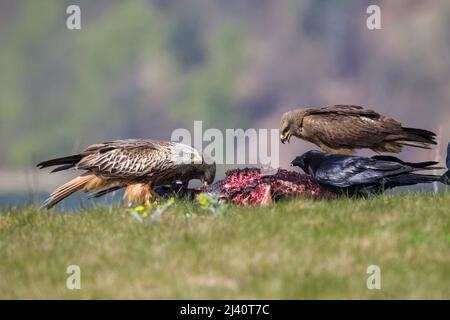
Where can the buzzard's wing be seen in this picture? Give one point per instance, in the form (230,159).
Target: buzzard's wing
(336,130)
(347,126)
(127,159)
(344,110)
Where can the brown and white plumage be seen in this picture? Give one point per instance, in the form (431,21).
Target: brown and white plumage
(343,128)
(134,164)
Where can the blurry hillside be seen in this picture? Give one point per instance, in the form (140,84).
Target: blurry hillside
(143,68)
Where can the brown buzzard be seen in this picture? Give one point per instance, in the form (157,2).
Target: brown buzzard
(134,164)
(342,128)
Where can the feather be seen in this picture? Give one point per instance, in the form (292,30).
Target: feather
(342,128)
(361,175)
(137,193)
(67,189)
(72,160)
(105,191)
(135,163)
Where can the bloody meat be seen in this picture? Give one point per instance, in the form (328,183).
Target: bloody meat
(250,186)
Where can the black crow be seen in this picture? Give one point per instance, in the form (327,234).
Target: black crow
(355,175)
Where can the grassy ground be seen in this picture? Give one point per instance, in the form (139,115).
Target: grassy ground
(295,249)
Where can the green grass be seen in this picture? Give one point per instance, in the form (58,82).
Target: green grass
(291,250)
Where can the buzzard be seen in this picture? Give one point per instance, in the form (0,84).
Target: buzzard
(354,175)
(135,164)
(343,128)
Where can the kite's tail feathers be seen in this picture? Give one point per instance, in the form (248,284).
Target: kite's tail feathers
(417,137)
(64,162)
(67,189)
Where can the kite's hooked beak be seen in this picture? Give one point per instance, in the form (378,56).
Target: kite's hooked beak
(285,137)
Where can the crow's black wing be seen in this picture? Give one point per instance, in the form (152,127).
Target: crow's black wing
(425,165)
(388,158)
(345,171)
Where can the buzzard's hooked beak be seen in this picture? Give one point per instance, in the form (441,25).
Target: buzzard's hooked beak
(285,137)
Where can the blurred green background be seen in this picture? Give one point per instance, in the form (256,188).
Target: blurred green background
(142,68)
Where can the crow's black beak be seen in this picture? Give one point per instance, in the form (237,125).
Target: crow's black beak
(296,163)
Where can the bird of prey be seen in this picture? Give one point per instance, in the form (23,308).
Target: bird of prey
(135,164)
(354,175)
(343,128)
